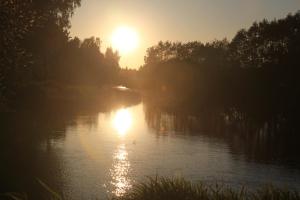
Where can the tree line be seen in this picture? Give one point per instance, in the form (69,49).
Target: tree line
(256,72)
(35,47)
(258,68)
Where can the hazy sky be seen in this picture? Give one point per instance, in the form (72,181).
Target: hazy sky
(175,20)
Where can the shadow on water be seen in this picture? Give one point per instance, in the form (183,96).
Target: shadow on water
(268,138)
(32,141)
(28,140)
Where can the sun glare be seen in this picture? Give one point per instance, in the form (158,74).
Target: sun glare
(122,121)
(124,39)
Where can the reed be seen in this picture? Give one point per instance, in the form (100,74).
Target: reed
(161,188)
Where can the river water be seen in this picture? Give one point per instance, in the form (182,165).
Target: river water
(99,154)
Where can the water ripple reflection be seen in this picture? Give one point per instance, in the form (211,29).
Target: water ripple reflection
(120,171)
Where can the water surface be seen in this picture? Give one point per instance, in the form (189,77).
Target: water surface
(98,154)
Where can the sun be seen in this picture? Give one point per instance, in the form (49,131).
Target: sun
(124,39)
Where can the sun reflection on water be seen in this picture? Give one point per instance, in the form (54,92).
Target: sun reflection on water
(122,121)
(120,171)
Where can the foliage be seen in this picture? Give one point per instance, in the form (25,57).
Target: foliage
(35,47)
(84,63)
(195,52)
(18,20)
(255,73)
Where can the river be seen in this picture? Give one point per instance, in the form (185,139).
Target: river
(99,154)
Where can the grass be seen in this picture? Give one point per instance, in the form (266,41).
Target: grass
(160,188)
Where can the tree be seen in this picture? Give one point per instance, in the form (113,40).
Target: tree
(17,19)
(25,28)
(112,58)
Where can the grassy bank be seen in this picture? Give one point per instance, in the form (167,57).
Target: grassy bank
(180,189)
(160,188)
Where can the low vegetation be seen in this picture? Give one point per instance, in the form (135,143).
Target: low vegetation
(160,188)
(169,188)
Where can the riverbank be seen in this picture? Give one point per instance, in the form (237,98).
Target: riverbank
(54,95)
(160,188)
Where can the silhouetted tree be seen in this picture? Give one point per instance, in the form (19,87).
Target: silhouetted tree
(35,47)
(255,73)
(25,26)
(17,18)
